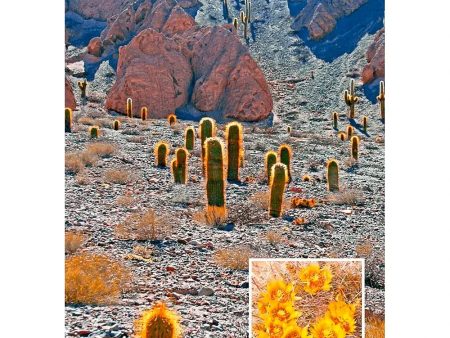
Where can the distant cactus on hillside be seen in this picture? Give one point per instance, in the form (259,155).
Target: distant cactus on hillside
(68,120)
(350,99)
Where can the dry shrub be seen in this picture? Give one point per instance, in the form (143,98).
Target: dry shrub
(236,258)
(117,176)
(274,237)
(364,249)
(247,214)
(136,139)
(350,162)
(89,159)
(94,279)
(101,149)
(374,325)
(82,179)
(348,197)
(88,121)
(125,201)
(260,200)
(143,227)
(73,241)
(73,163)
(210,217)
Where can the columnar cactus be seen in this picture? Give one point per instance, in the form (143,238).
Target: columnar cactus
(242,16)
(158,322)
(236,23)
(350,99)
(129,107)
(68,120)
(172,119)
(247,10)
(207,128)
(270,159)
(289,130)
(349,132)
(279,178)
(144,113)
(189,138)
(335,120)
(82,85)
(116,124)
(342,135)
(161,151)
(179,166)
(333,175)
(215,177)
(364,123)
(245,27)
(94,131)
(380,99)
(354,142)
(234,137)
(285,155)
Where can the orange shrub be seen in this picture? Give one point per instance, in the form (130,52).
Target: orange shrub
(73,241)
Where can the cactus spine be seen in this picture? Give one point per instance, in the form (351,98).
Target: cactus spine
(333,175)
(68,120)
(350,99)
(207,128)
(179,166)
(349,132)
(93,131)
(116,124)
(235,23)
(189,138)
(235,147)
(335,120)
(129,108)
(380,99)
(82,85)
(215,178)
(172,119)
(161,152)
(270,159)
(144,113)
(354,141)
(285,155)
(364,123)
(279,178)
(158,322)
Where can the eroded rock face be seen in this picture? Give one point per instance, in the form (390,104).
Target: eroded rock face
(375,59)
(69,96)
(319,16)
(97,9)
(95,46)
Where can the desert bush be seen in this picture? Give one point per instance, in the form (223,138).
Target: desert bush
(87,121)
(274,237)
(374,325)
(146,226)
(89,159)
(73,163)
(103,150)
(348,197)
(94,279)
(82,179)
(210,217)
(136,139)
(73,241)
(118,176)
(125,201)
(235,258)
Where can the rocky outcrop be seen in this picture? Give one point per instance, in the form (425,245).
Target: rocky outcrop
(375,59)
(95,47)
(69,96)
(97,9)
(206,67)
(320,16)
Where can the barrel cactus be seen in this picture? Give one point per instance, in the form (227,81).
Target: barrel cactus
(333,175)
(285,156)
(162,150)
(158,322)
(116,124)
(179,166)
(279,178)
(68,120)
(215,177)
(234,137)
(94,131)
(270,159)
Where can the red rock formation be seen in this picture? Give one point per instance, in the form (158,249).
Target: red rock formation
(69,97)
(97,9)
(95,47)
(319,16)
(375,58)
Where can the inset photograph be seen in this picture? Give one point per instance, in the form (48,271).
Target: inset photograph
(303,298)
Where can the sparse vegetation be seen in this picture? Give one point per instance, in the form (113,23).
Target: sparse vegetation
(118,176)
(104,150)
(73,241)
(146,226)
(235,258)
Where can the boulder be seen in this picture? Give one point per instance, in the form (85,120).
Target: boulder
(95,46)
(69,96)
(375,59)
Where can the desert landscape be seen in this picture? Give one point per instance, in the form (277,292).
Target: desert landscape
(303,79)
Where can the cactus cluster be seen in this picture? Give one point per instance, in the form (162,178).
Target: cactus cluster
(350,99)
(179,166)
(68,120)
(234,138)
(129,107)
(82,85)
(161,152)
(279,178)
(380,99)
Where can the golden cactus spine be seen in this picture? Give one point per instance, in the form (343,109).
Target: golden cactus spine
(82,85)
(270,159)
(207,128)
(349,132)
(68,120)
(189,138)
(285,156)
(144,113)
(172,119)
(161,151)
(179,166)
(236,23)
(365,123)
(215,177)
(354,145)
(116,124)
(129,107)
(235,149)
(158,322)
(279,178)
(350,99)
(380,99)
(335,120)
(94,131)
(333,175)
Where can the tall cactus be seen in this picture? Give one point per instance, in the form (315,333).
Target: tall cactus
(68,120)
(349,132)
(235,147)
(279,178)
(215,177)
(172,119)
(364,123)
(207,128)
(82,85)
(285,156)
(236,23)
(158,322)
(380,99)
(161,151)
(248,9)
(342,135)
(333,175)
(179,166)
(116,124)
(354,145)
(245,27)
(129,107)
(144,113)
(335,120)
(350,99)
(189,138)
(94,131)
(270,159)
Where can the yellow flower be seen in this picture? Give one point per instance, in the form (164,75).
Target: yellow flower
(295,331)
(342,314)
(315,278)
(325,328)
(279,291)
(284,312)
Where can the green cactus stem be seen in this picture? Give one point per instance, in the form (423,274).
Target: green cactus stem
(354,141)
(279,178)
(333,175)
(285,156)
(94,131)
(270,159)
(235,147)
(68,120)
(161,151)
(380,99)
(189,138)
(129,107)
(179,166)
(144,113)
(215,178)
(350,99)
(335,120)
(207,128)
